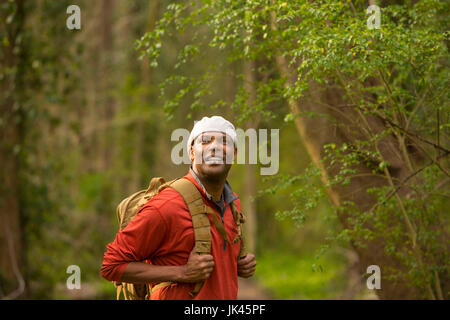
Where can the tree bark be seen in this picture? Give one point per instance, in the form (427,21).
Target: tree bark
(249,206)
(12,283)
(107,82)
(146,82)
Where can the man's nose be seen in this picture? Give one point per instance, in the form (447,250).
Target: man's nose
(216,146)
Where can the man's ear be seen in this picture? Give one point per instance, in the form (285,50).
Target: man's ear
(191,154)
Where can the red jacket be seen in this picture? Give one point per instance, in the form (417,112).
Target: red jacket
(162,233)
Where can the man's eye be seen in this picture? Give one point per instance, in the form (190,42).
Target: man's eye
(206,139)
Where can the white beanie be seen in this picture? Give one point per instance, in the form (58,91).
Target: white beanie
(215,123)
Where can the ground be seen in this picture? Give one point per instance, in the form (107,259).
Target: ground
(250,290)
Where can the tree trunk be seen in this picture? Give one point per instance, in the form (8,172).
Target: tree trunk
(107,83)
(249,206)
(12,284)
(91,124)
(11,246)
(145,97)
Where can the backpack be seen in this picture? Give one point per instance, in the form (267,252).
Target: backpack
(129,207)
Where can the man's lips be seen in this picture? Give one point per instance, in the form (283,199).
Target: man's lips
(214,160)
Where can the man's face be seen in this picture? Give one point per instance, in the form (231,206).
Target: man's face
(212,154)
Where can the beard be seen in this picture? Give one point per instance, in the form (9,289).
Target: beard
(210,164)
(212,173)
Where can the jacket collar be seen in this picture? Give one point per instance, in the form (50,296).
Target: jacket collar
(227,194)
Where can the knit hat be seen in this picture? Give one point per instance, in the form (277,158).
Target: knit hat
(215,123)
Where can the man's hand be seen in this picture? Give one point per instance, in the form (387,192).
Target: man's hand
(197,268)
(246,266)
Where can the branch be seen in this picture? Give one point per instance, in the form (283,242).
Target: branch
(446,151)
(402,183)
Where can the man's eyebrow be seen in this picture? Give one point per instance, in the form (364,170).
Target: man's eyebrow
(211,135)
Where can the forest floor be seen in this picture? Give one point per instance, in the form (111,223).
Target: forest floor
(249,289)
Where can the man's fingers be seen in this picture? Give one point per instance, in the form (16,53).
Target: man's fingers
(198,267)
(250,268)
(246,263)
(248,259)
(206,257)
(243,260)
(207,261)
(246,274)
(201,257)
(207,265)
(247,268)
(251,265)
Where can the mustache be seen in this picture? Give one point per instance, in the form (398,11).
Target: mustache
(213,157)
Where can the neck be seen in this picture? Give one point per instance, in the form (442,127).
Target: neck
(214,190)
(213,186)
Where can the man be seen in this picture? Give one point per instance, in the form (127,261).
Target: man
(162,232)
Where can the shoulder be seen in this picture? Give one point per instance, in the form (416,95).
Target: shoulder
(237,202)
(167,202)
(163,208)
(166,195)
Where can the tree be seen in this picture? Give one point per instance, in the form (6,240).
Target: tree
(370,105)
(11,84)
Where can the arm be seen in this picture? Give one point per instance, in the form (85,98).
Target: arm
(141,272)
(197,268)
(137,242)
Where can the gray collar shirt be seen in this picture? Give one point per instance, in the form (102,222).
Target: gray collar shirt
(225,199)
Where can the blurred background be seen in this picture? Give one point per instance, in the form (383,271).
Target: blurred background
(87,117)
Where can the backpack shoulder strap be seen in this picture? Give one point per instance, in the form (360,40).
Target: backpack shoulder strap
(199,215)
(197,209)
(239,218)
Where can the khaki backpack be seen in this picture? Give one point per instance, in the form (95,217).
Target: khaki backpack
(129,207)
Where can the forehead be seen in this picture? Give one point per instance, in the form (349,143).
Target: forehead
(212,133)
(216,135)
